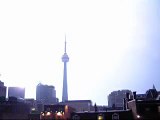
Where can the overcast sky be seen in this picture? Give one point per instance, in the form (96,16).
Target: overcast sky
(112,45)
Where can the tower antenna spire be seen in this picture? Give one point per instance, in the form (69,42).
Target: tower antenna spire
(65,44)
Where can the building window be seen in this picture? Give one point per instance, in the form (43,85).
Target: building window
(158,108)
(115,116)
(75,117)
(147,109)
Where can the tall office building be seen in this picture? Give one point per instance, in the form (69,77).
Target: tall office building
(2,89)
(46,94)
(115,98)
(65,59)
(16,92)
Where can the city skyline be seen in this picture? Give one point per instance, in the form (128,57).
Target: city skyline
(112,45)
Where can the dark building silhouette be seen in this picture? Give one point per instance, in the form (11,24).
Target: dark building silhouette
(147,109)
(105,115)
(32,103)
(46,94)
(17,92)
(14,108)
(65,59)
(35,112)
(151,94)
(2,89)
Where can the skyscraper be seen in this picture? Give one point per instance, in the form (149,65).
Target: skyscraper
(2,89)
(46,94)
(65,59)
(17,92)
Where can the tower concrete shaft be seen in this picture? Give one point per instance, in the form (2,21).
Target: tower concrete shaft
(65,59)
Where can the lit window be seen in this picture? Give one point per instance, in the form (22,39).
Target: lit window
(138,116)
(100,117)
(42,114)
(48,113)
(59,114)
(33,109)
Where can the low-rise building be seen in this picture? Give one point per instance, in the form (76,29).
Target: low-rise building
(145,109)
(79,105)
(58,112)
(105,115)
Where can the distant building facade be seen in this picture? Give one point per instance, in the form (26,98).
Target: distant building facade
(115,98)
(17,92)
(101,108)
(31,102)
(2,89)
(141,96)
(46,94)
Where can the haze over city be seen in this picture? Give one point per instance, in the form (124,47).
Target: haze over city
(112,45)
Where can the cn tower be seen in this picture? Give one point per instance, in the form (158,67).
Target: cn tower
(65,59)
